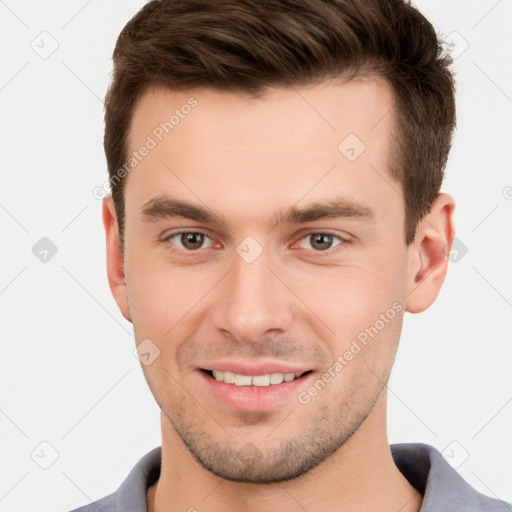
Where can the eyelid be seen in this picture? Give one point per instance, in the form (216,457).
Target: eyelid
(179,231)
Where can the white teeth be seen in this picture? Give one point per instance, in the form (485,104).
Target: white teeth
(243,380)
(276,378)
(254,380)
(229,378)
(261,380)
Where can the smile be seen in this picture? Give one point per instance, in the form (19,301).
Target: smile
(254,385)
(269,379)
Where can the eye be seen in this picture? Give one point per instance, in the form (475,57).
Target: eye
(189,240)
(321,241)
(193,241)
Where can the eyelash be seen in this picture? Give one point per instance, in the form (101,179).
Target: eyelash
(340,246)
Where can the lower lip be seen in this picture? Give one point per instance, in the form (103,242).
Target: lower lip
(254,398)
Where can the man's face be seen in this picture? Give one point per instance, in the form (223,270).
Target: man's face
(255,292)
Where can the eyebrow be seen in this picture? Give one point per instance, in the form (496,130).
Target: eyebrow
(165,207)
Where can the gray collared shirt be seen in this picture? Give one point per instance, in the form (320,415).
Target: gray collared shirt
(443,489)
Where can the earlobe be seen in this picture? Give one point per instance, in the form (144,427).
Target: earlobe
(429,254)
(115,263)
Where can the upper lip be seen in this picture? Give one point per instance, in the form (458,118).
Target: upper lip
(255,368)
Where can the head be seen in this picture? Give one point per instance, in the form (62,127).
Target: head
(275,171)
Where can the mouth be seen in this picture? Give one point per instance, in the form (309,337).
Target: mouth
(264,380)
(256,389)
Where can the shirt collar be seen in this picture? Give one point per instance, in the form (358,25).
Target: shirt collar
(422,465)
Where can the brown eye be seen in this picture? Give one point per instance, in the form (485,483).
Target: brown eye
(321,241)
(192,240)
(188,240)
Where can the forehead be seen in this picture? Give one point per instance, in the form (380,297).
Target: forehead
(241,151)
(331,108)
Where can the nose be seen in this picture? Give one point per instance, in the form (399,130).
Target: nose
(253,301)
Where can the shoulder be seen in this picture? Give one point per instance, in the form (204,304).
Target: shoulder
(106,504)
(441,485)
(131,495)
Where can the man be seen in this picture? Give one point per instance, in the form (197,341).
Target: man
(276,209)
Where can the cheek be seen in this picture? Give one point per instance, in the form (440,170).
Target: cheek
(162,299)
(366,348)
(350,299)
(362,307)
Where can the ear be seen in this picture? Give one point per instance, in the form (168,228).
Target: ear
(115,264)
(429,253)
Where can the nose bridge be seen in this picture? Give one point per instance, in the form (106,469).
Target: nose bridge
(252,300)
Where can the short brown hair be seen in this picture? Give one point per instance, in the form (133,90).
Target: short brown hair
(247,46)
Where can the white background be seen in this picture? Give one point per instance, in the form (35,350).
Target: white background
(69,377)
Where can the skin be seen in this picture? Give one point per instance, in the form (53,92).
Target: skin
(246,160)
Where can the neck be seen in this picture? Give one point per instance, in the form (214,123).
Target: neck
(359,476)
